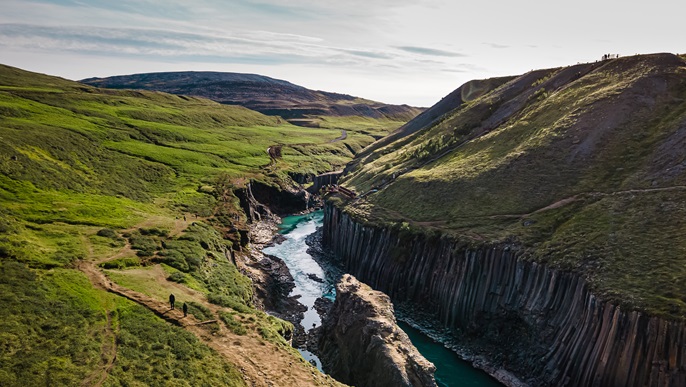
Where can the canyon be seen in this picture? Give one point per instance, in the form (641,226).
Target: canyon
(543,324)
(521,214)
(534,223)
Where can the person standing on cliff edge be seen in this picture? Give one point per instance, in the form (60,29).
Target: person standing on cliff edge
(171,300)
(185,309)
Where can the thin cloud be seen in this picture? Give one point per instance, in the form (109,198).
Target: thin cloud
(464,68)
(262,48)
(368,54)
(247,47)
(430,51)
(497,45)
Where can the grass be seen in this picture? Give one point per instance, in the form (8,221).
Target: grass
(50,326)
(606,139)
(269,328)
(151,352)
(364,125)
(234,325)
(73,155)
(188,280)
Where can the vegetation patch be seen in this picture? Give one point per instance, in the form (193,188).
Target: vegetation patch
(51,326)
(234,326)
(200,311)
(152,352)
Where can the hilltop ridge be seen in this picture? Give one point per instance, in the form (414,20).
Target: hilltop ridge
(257,92)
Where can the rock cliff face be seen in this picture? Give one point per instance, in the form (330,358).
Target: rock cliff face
(550,328)
(361,344)
(323,180)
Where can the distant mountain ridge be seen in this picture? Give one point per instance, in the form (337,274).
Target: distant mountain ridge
(261,93)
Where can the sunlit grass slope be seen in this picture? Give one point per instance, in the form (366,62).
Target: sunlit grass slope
(78,165)
(582,167)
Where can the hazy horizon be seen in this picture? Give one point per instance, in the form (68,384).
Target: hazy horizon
(411,52)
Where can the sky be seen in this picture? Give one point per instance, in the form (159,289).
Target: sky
(394,51)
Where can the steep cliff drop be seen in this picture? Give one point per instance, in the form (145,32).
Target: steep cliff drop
(362,345)
(543,324)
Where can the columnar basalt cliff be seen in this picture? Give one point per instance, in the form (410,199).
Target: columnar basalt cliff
(552,329)
(361,345)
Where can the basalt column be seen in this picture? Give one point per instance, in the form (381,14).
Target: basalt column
(553,329)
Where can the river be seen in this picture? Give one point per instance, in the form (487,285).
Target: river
(451,371)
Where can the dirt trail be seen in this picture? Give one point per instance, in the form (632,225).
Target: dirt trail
(109,347)
(108,356)
(344,135)
(108,352)
(557,204)
(581,196)
(275,366)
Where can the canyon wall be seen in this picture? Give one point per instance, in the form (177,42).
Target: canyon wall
(361,344)
(320,181)
(542,324)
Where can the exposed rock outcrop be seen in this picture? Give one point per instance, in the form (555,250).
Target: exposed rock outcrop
(253,209)
(272,281)
(323,180)
(543,324)
(361,344)
(281,200)
(261,201)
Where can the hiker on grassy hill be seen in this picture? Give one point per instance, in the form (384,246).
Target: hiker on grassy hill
(171,300)
(185,310)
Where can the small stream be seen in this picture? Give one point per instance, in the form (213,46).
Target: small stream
(451,371)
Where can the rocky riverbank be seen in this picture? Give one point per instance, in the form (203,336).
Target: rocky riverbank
(272,281)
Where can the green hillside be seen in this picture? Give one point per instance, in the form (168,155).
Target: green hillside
(103,177)
(581,167)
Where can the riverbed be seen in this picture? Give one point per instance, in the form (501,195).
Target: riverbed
(312,282)
(303,268)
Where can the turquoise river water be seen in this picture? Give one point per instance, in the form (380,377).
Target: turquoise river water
(450,369)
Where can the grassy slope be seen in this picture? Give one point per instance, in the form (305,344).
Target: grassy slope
(602,143)
(365,121)
(76,160)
